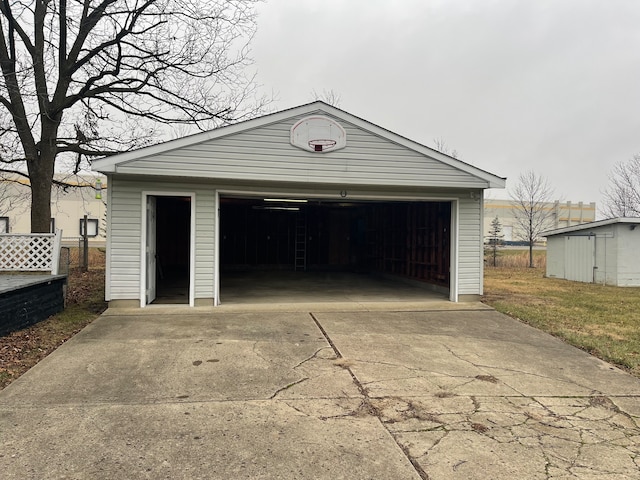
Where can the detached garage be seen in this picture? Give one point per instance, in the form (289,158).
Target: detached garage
(286,196)
(603,252)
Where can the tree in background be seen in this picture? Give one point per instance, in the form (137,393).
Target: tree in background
(330,97)
(88,78)
(441,146)
(532,216)
(622,197)
(494,239)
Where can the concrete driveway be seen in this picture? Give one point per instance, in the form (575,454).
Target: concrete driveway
(442,394)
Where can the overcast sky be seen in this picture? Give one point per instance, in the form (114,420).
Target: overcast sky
(512,85)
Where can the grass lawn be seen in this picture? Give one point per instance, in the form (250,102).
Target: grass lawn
(21,350)
(602,320)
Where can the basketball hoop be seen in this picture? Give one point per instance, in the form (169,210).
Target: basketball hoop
(321,144)
(318,133)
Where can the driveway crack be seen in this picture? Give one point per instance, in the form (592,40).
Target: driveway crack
(310,357)
(282,389)
(368,405)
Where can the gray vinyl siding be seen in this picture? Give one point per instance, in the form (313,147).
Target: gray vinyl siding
(265,154)
(469,246)
(126,232)
(205,240)
(124,253)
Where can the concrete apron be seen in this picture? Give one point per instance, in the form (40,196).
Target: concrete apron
(359,395)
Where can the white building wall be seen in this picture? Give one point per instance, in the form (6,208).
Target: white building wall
(470,253)
(124,244)
(628,255)
(67,208)
(124,256)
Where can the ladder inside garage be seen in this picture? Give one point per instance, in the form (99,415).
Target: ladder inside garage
(300,263)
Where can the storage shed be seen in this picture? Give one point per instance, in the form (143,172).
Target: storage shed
(603,252)
(308,189)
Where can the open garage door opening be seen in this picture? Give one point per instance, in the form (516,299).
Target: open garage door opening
(292,249)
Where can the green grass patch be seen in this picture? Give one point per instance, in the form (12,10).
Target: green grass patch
(602,320)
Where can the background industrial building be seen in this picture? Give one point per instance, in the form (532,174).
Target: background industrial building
(562,214)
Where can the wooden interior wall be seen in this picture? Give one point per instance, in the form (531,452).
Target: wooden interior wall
(255,237)
(407,239)
(410,239)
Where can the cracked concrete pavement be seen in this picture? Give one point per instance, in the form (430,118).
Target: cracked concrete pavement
(435,394)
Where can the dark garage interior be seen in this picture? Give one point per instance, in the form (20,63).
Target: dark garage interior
(172,249)
(402,239)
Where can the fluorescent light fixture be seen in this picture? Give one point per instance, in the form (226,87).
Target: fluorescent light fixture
(288,200)
(289,209)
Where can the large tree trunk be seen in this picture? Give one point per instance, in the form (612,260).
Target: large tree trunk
(41,176)
(41,172)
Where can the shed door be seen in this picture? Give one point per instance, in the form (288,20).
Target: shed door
(578,258)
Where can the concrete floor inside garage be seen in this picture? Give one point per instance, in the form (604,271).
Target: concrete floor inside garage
(270,287)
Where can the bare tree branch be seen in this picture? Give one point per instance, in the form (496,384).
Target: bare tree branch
(531,196)
(330,97)
(441,146)
(622,197)
(76,72)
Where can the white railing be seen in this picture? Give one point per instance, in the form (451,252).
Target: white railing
(30,252)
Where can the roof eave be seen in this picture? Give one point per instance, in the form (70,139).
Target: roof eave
(591,225)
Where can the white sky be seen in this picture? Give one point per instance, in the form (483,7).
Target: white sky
(512,85)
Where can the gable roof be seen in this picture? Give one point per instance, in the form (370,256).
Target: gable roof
(592,225)
(137,162)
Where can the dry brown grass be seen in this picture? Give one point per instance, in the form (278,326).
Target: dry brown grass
(517,258)
(602,320)
(97,257)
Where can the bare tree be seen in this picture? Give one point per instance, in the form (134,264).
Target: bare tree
(330,97)
(622,197)
(441,146)
(533,216)
(87,78)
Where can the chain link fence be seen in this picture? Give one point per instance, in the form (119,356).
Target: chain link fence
(77,252)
